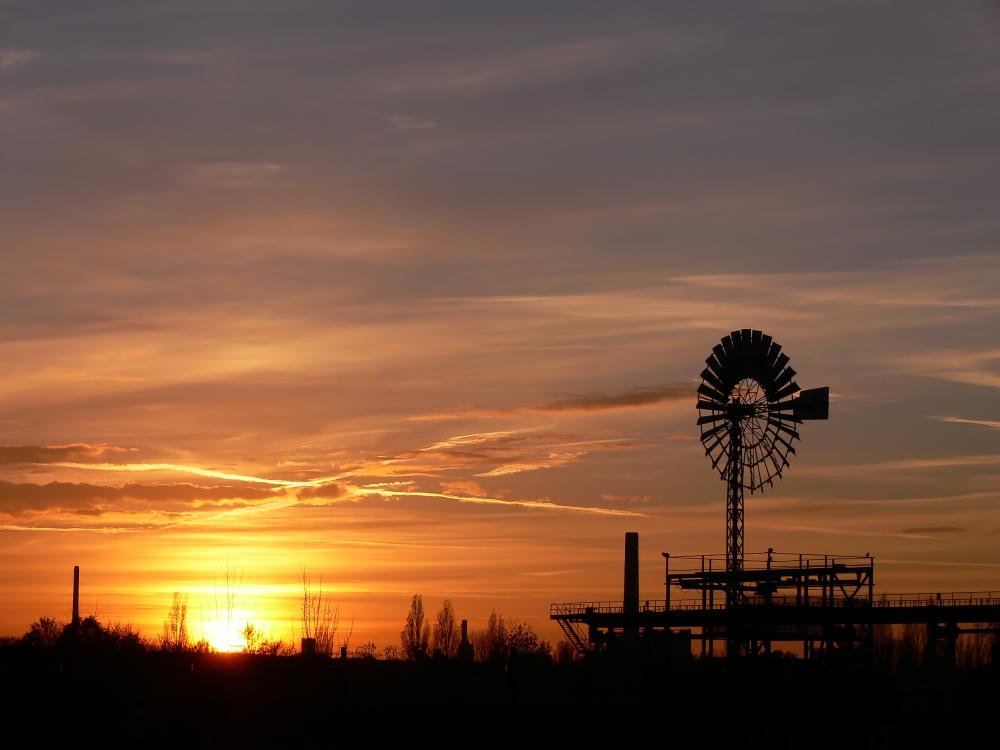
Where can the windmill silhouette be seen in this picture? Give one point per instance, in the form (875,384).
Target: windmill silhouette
(749,406)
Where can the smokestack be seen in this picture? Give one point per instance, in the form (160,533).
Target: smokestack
(631,604)
(76,595)
(465,650)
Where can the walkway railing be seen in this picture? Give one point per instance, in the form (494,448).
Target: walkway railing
(919,599)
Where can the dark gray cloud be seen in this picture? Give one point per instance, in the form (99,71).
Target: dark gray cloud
(634,397)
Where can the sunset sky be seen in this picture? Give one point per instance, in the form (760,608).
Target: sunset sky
(415,296)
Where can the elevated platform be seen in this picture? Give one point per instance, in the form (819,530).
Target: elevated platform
(826,603)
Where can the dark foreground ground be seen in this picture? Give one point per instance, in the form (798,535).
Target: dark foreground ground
(197,700)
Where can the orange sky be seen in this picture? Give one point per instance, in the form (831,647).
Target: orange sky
(418,303)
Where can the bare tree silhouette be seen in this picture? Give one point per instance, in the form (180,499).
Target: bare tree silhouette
(320,616)
(445,634)
(415,636)
(491,644)
(910,648)
(883,646)
(175,632)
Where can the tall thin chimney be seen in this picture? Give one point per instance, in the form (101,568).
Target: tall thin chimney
(76,595)
(631,604)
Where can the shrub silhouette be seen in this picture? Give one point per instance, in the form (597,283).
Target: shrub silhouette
(43,632)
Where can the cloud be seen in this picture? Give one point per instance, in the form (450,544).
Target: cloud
(464,487)
(480,500)
(534,464)
(195,470)
(11,59)
(906,464)
(232,174)
(538,65)
(404,122)
(633,398)
(325,491)
(991,423)
(631,499)
(54,454)
(642,396)
(17,498)
(933,530)
(973,367)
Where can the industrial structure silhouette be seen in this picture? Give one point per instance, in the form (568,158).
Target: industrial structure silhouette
(749,408)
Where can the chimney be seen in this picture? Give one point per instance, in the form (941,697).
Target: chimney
(465,650)
(76,595)
(631,603)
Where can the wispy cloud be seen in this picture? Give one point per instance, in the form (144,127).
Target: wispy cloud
(973,367)
(906,464)
(185,469)
(232,174)
(538,65)
(933,530)
(509,503)
(991,423)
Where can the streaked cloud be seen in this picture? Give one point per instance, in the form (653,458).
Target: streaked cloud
(991,423)
(505,502)
(232,174)
(969,366)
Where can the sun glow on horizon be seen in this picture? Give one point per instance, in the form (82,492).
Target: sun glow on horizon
(227,632)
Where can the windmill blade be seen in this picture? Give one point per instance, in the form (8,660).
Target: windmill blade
(778,366)
(709,377)
(789,446)
(713,432)
(728,346)
(784,416)
(780,406)
(711,393)
(786,375)
(788,390)
(769,362)
(715,365)
(712,418)
(722,355)
(784,428)
(707,405)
